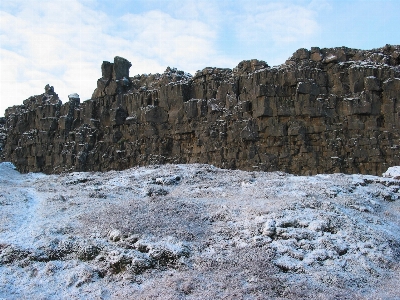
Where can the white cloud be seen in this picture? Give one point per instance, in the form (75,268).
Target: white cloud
(174,42)
(43,44)
(64,42)
(206,11)
(320,5)
(280,22)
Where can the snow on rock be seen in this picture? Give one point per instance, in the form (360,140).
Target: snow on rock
(269,228)
(73,96)
(198,232)
(393,172)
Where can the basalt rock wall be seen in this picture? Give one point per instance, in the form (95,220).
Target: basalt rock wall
(323,111)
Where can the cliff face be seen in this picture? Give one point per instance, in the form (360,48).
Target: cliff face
(323,111)
(2,137)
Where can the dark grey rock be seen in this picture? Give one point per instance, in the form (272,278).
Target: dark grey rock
(326,110)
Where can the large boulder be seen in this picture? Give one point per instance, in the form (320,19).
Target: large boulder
(121,68)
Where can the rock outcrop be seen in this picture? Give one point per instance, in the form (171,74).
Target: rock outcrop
(323,111)
(3,136)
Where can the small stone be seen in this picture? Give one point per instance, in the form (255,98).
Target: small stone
(115,235)
(316,57)
(269,228)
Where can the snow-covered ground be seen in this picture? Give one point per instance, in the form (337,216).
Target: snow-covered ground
(198,232)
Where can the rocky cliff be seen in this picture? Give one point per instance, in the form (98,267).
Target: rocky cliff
(323,111)
(2,137)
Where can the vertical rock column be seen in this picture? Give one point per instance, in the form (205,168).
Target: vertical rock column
(3,137)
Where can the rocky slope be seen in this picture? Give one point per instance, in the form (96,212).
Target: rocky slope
(198,232)
(323,111)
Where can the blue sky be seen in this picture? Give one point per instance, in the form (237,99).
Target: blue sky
(63,42)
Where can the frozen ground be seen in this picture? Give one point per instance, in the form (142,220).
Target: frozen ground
(198,232)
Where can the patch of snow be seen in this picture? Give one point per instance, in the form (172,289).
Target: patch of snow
(73,96)
(198,232)
(393,172)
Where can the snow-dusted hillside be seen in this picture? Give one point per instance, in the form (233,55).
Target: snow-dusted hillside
(198,232)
